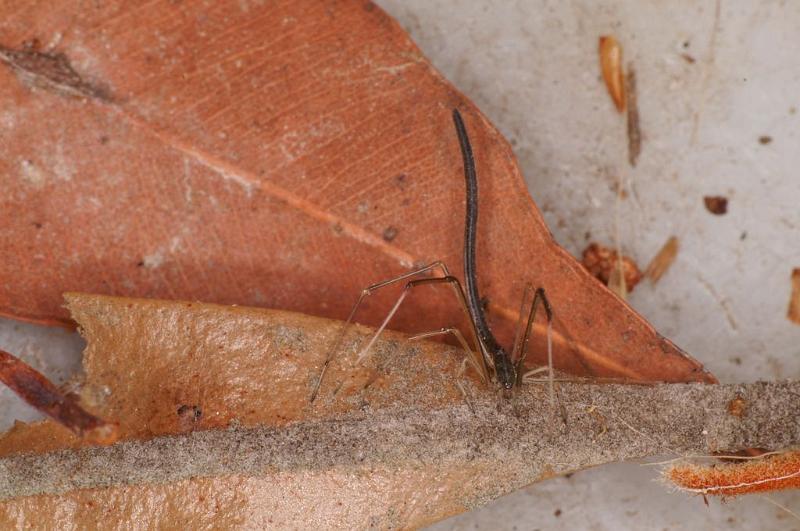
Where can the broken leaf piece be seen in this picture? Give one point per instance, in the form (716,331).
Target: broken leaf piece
(35,389)
(171,367)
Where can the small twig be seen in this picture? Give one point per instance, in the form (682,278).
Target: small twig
(35,389)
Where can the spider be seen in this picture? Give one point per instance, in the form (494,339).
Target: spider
(491,360)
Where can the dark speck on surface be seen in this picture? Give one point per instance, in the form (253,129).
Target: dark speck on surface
(390,233)
(716,204)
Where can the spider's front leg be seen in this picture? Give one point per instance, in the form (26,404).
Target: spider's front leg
(445,278)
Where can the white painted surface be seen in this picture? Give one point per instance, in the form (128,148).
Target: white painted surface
(532,67)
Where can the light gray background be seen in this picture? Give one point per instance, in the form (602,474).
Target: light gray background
(532,67)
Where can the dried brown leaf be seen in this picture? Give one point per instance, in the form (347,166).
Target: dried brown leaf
(288,171)
(379,439)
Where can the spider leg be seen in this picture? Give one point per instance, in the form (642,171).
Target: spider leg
(539,297)
(523,315)
(453,281)
(474,359)
(364,294)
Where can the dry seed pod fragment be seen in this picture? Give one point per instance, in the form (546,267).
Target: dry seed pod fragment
(611,66)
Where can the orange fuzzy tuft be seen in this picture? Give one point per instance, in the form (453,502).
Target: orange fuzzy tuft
(773,472)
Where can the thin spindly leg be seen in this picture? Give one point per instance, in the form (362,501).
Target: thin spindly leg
(475,359)
(453,281)
(539,297)
(364,293)
(523,316)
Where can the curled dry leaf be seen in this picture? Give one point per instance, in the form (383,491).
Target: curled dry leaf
(379,439)
(35,389)
(289,171)
(613,73)
(150,364)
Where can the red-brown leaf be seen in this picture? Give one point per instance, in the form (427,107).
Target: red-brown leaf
(261,155)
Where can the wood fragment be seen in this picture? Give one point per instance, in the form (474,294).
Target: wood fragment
(794,300)
(35,389)
(634,130)
(611,67)
(663,260)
